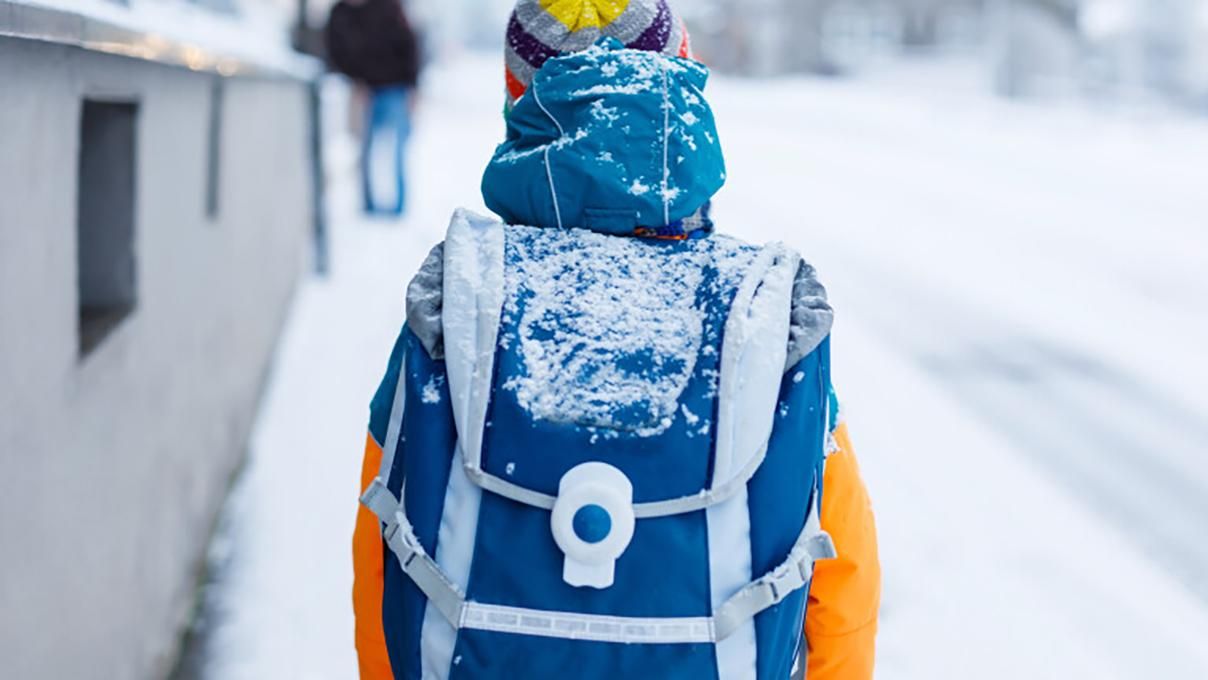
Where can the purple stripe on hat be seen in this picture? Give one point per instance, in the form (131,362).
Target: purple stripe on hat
(530,49)
(655,38)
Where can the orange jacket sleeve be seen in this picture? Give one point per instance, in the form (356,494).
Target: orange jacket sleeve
(368,563)
(841,624)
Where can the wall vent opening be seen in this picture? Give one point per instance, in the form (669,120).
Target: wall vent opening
(105,216)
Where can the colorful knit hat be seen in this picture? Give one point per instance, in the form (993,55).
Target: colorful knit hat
(542,29)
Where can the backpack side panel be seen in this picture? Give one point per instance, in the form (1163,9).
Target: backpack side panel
(425,454)
(781,494)
(383,399)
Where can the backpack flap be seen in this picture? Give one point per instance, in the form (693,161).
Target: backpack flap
(610,349)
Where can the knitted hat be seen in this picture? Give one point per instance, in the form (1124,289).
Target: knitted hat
(541,29)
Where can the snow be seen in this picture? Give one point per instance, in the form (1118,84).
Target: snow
(689,417)
(609,329)
(610,88)
(636,72)
(1018,348)
(602,113)
(556,145)
(431,392)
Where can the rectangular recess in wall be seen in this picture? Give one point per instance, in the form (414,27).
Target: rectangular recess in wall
(105,215)
(214,147)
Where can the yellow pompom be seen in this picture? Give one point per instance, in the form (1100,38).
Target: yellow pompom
(580,14)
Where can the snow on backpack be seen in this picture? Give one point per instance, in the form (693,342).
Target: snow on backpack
(610,474)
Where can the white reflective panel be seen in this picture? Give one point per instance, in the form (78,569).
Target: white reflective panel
(596,628)
(454,554)
(730,572)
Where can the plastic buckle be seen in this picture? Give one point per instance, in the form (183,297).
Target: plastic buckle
(806,569)
(410,541)
(389,532)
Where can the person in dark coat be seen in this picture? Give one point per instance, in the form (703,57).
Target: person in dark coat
(373,43)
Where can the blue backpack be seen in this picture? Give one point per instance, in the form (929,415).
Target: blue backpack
(602,469)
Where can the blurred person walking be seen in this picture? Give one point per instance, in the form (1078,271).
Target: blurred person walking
(373,43)
(606,444)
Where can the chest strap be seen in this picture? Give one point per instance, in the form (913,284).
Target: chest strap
(649,510)
(771,589)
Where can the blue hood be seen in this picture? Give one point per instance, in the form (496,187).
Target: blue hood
(609,139)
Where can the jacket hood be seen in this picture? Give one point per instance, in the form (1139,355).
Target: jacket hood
(609,139)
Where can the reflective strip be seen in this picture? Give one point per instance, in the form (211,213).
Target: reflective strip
(792,575)
(674,506)
(596,628)
(395,429)
(730,570)
(454,554)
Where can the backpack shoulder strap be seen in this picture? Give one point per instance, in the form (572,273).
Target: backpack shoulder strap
(472,307)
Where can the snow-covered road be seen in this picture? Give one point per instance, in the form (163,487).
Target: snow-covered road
(1020,294)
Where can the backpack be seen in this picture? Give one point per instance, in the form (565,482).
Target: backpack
(604,471)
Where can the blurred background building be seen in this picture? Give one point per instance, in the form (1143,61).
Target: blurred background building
(155,216)
(1105,48)
(1027,48)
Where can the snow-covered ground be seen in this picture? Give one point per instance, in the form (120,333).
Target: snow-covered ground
(1020,294)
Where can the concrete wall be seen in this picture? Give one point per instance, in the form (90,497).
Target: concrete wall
(112,467)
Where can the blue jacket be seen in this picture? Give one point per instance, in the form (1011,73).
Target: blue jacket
(609,140)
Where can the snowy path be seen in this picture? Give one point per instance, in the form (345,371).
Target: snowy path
(1020,297)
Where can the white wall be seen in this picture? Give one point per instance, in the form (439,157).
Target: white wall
(112,468)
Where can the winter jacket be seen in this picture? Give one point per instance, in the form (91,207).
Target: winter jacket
(372,42)
(604,142)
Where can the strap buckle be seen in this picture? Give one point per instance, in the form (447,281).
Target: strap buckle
(389,531)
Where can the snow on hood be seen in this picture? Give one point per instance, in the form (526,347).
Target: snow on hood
(609,139)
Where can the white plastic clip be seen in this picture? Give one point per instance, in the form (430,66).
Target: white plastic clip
(593,523)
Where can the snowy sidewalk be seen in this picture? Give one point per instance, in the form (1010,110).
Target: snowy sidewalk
(997,564)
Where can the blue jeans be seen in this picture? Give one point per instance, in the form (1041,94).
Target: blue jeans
(388,111)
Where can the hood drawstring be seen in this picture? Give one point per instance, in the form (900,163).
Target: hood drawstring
(549,170)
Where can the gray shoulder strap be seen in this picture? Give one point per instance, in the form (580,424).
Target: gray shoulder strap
(415,562)
(394,429)
(792,575)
